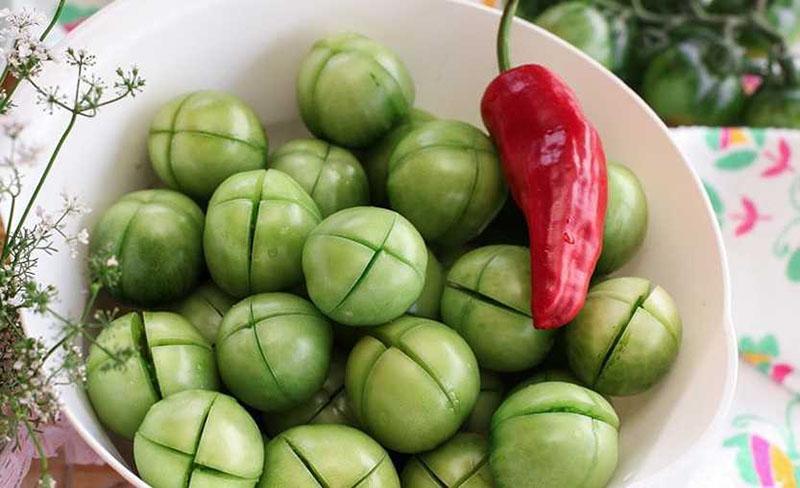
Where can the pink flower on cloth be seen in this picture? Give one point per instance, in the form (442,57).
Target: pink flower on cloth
(748,218)
(763,354)
(781,162)
(15,463)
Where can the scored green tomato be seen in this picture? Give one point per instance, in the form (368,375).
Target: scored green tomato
(204,309)
(562,375)
(445,177)
(487,300)
(329,405)
(156,237)
(684,89)
(330,174)
(199,139)
(581,25)
(412,383)
(625,338)
(462,461)
(376,158)
(163,354)
(313,456)
(256,226)
(198,438)
(274,351)
(554,435)
(364,266)
(352,90)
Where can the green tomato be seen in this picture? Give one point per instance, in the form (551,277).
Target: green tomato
(554,435)
(562,375)
(774,106)
(625,338)
(462,461)
(274,350)
(462,156)
(199,139)
(256,226)
(331,175)
(364,266)
(489,398)
(353,90)
(530,9)
(682,88)
(581,25)
(623,32)
(329,405)
(626,219)
(412,383)
(156,237)
(311,456)
(429,301)
(163,354)
(198,438)
(376,159)
(782,15)
(487,300)
(204,309)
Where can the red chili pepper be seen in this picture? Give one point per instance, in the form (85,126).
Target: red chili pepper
(556,169)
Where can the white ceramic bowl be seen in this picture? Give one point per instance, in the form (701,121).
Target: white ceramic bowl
(253,48)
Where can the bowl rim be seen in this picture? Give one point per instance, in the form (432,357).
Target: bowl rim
(84,31)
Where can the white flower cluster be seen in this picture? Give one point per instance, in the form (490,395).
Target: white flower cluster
(28,374)
(24,51)
(20,156)
(73,205)
(49,223)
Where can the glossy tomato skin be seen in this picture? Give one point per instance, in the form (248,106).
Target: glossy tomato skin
(583,26)
(623,31)
(352,90)
(685,88)
(529,9)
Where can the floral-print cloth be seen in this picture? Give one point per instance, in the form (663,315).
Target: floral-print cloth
(752,177)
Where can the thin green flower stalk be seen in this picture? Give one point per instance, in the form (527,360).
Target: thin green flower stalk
(30,369)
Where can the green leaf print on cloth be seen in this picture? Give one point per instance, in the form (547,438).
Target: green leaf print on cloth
(737,160)
(762,461)
(716,202)
(788,241)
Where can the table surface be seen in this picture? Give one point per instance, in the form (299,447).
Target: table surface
(71,475)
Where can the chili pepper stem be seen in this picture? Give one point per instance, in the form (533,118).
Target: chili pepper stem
(504,34)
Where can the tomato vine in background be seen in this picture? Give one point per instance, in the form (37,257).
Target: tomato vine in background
(687,58)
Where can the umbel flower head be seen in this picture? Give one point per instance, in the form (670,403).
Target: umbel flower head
(29,367)
(25,51)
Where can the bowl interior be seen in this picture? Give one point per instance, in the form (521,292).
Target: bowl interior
(253,48)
